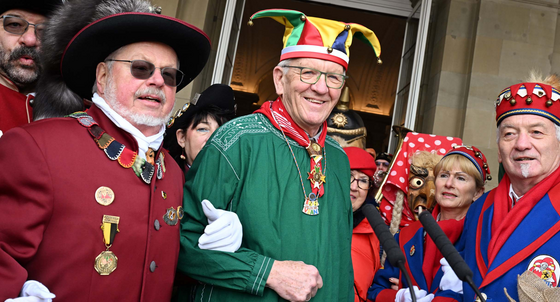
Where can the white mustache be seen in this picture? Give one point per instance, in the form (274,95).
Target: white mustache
(153,91)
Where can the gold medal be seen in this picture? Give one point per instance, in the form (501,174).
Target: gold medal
(106,263)
(104,196)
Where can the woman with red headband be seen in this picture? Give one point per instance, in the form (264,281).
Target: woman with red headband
(460,178)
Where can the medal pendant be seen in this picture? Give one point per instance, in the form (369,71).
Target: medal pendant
(316,176)
(105,263)
(311,205)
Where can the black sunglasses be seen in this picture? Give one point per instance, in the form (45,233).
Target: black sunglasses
(18,26)
(143,70)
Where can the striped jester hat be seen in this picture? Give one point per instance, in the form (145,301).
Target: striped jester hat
(311,37)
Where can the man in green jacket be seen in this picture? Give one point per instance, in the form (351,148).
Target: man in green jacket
(286,180)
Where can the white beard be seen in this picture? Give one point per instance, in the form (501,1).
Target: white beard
(525,170)
(134,117)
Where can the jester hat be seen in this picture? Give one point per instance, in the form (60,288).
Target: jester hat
(311,37)
(529,98)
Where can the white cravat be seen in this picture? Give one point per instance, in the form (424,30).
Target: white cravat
(144,142)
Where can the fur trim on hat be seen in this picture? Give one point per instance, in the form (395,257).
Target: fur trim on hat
(54,99)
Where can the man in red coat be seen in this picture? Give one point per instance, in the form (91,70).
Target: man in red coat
(91,202)
(23,21)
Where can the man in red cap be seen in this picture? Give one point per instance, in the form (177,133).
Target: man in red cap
(286,180)
(23,22)
(515,226)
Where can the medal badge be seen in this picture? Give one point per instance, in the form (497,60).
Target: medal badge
(106,261)
(316,176)
(311,206)
(180,212)
(170,216)
(314,149)
(546,268)
(104,196)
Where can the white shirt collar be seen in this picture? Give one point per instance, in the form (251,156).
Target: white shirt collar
(144,142)
(514,197)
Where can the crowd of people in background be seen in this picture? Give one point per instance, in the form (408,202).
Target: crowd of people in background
(106,194)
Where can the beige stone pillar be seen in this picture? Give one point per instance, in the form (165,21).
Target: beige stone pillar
(512,38)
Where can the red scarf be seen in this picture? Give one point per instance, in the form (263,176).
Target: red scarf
(503,213)
(279,117)
(453,229)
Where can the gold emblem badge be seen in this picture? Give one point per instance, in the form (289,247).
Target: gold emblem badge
(104,196)
(339,120)
(412,250)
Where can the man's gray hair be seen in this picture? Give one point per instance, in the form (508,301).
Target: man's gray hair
(285,63)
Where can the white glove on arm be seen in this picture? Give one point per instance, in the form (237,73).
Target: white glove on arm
(224,231)
(33,291)
(403,295)
(449,281)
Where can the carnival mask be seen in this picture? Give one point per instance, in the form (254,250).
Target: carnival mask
(421,189)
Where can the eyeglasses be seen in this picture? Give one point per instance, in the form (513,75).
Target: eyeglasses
(363,183)
(382,163)
(312,76)
(143,70)
(18,26)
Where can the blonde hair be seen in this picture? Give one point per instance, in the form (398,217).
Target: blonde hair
(467,166)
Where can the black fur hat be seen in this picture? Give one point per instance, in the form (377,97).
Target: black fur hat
(43,7)
(84,32)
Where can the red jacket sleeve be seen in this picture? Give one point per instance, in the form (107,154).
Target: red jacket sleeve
(26,207)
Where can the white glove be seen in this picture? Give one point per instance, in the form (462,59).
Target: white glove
(33,291)
(449,281)
(224,231)
(403,295)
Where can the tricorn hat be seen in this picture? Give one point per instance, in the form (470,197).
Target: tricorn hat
(42,7)
(83,33)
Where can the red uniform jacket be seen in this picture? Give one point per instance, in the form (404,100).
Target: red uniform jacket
(15,109)
(365,259)
(50,219)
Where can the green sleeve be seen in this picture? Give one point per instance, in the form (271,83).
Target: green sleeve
(351,266)
(214,176)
